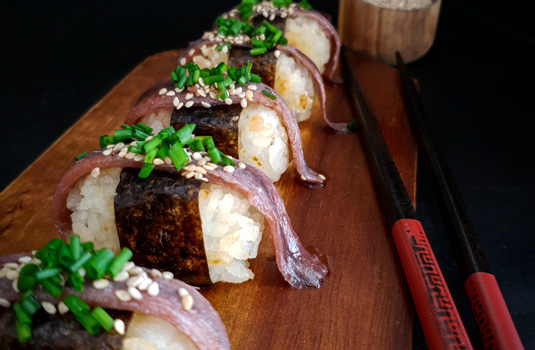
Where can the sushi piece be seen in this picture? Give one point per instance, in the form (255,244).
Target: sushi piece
(307,30)
(248,121)
(51,300)
(200,220)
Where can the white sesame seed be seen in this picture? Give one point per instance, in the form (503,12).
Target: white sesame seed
(191,52)
(5,303)
(204,179)
(303,178)
(188,174)
(158,161)
(321,176)
(200,170)
(241,165)
(179,90)
(3,272)
(183,292)
(25,259)
(122,154)
(168,160)
(15,285)
(110,146)
(95,172)
(228,169)
(62,308)
(249,95)
(197,156)
(145,284)
(154,289)
(163,91)
(12,274)
(187,302)
(136,294)
(49,307)
(205,104)
(155,273)
(176,101)
(208,168)
(123,295)
(190,167)
(107,152)
(135,281)
(239,90)
(212,95)
(189,96)
(183,61)
(272,17)
(189,104)
(228,101)
(171,93)
(11,265)
(139,157)
(252,87)
(119,326)
(180,105)
(212,165)
(121,276)
(149,138)
(197,176)
(277,53)
(243,102)
(129,155)
(284,15)
(235,118)
(129,266)
(118,147)
(241,95)
(225,49)
(201,92)
(101,283)
(168,275)
(138,270)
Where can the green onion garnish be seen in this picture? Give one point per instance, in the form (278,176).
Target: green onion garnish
(22,316)
(96,266)
(76,305)
(24,332)
(268,94)
(89,323)
(103,318)
(80,156)
(44,274)
(27,279)
(29,304)
(76,281)
(52,288)
(145,170)
(352,126)
(80,262)
(119,262)
(76,249)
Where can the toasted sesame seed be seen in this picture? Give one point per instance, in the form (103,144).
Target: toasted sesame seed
(272,17)
(243,102)
(236,117)
(110,146)
(119,326)
(225,49)
(138,270)
(189,104)
(171,93)
(49,307)
(201,82)
(180,105)
(122,154)
(163,91)
(191,52)
(201,92)
(139,157)
(197,156)
(208,168)
(197,176)
(168,275)
(62,308)
(136,294)
(187,302)
(12,274)
(249,97)
(25,259)
(11,265)
(321,176)
(277,53)
(155,273)
(129,266)
(228,169)
(190,167)
(212,165)
(188,174)
(183,61)
(303,178)
(145,284)
(123,295)
(239,90)
(157,161)
(135,281)
(241,165)
(241,95)
(176,101)
(179,90)
(252,87)
(15,285)
(183,292)
(107,152)
(101,283)
(130,155)
(3,272)
(201,162)
(200,170)
(212,95)
(121,276)
(168,160)
(189,96)
(5,303)
(154,289)
(203,179)
(205,104)
(95,172)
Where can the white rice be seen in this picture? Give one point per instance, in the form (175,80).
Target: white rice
(307,36)
(158,121)
(210,57)
(91,203)
(232,232)
(152,333)
(232,228)
(294,83)
(262,141)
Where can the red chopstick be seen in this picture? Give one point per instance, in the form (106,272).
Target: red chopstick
(441,323)
(495,324)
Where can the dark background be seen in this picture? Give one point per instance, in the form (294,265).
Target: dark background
(476,85)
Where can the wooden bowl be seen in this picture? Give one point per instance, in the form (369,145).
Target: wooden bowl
(379,31)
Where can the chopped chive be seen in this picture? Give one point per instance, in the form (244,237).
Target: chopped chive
(52,288)
(24,332)
(183,135)
(268,94)
(225,160)
(44,274)
(139,134)
(76,249)
(76,281)
(27,279)
(212,79)
(145,170)
(87,246)
(83,259)
(22,316)
(76,305)
(178,156)
(29,304)
(162,152)
(258,51)
(118,263)
(352,126)
(96,266)
(121,135)
(255,78)
(106,140)
(89,323)
(64,255)
(54,244)
(214,155)
(144,127)
(196,76)
(197,146)
(103,318)
(153,144)
(80,156)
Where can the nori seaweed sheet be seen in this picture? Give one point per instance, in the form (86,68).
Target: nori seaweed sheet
(59,332)
(263,65)
(216,121)
(158,219)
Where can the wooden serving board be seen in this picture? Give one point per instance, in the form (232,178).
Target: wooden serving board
(364,302)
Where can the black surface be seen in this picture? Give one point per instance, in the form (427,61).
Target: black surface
(476,85)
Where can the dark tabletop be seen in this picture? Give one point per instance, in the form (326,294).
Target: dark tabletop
(475,82)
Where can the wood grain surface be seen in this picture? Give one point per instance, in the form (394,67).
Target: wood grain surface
(380,32)
(364,302)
